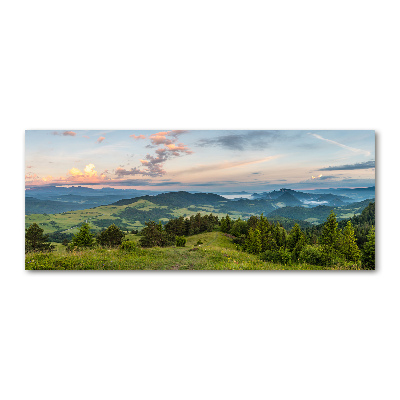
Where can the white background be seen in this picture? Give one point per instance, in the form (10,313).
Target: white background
(199,65)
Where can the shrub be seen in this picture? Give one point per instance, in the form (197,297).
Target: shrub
(112,237)
(199,242)
(285,256)
(270,256)
(239,227)
(281,256)
(180,241)
(128,245)
(321,255)
(313,254)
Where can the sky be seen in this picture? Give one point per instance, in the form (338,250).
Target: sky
(200,160)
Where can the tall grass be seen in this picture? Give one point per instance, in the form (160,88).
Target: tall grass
(217,253)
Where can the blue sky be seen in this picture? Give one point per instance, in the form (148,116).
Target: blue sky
(206,160)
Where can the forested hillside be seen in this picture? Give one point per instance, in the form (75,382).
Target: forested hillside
(362,224)
(133,213)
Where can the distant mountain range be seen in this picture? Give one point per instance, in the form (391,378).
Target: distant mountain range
(51,199)
(301,198)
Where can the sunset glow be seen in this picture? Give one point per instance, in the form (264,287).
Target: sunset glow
(201,160)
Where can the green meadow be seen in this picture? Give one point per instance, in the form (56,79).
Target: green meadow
(98,217)
(216,253)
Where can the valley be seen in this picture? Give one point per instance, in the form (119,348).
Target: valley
(133,213)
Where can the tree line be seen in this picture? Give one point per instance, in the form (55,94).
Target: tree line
(328,246)
(36,240)
(362,225)
(156,234)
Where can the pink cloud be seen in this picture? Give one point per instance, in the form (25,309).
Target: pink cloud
(138,137)
(160,138)
(154,164)
(100,139)
(180,148)
(65,133)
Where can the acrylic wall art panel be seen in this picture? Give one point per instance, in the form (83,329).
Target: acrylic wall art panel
(199,200)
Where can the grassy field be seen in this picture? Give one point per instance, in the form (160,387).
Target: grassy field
(216,253)
(68,222)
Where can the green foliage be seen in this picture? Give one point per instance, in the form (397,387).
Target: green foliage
(250,244)
(270,256)
(280,256)
(83,239)
(128,246)
(35,240)
(180,241)
(313,254)
(110,237)
(329,234)
(226,224)
(154,234)
(60,237)
(368,254)
(193,225)
(285,256)
(239,228)
(361,223)
(349,246)
(295,241)
(217,253)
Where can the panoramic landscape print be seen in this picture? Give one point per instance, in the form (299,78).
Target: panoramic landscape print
(199,200)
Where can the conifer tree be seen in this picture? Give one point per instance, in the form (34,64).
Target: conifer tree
(154,234)
(226,224)
(84,238)
(349,245)
(281,236)
(368,254)
(296,241)
(269,242)
(250,242)
(329,234)
(257,241)
(35,240)
(265,230)
(252,222)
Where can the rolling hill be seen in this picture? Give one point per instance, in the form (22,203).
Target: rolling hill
(132,214)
